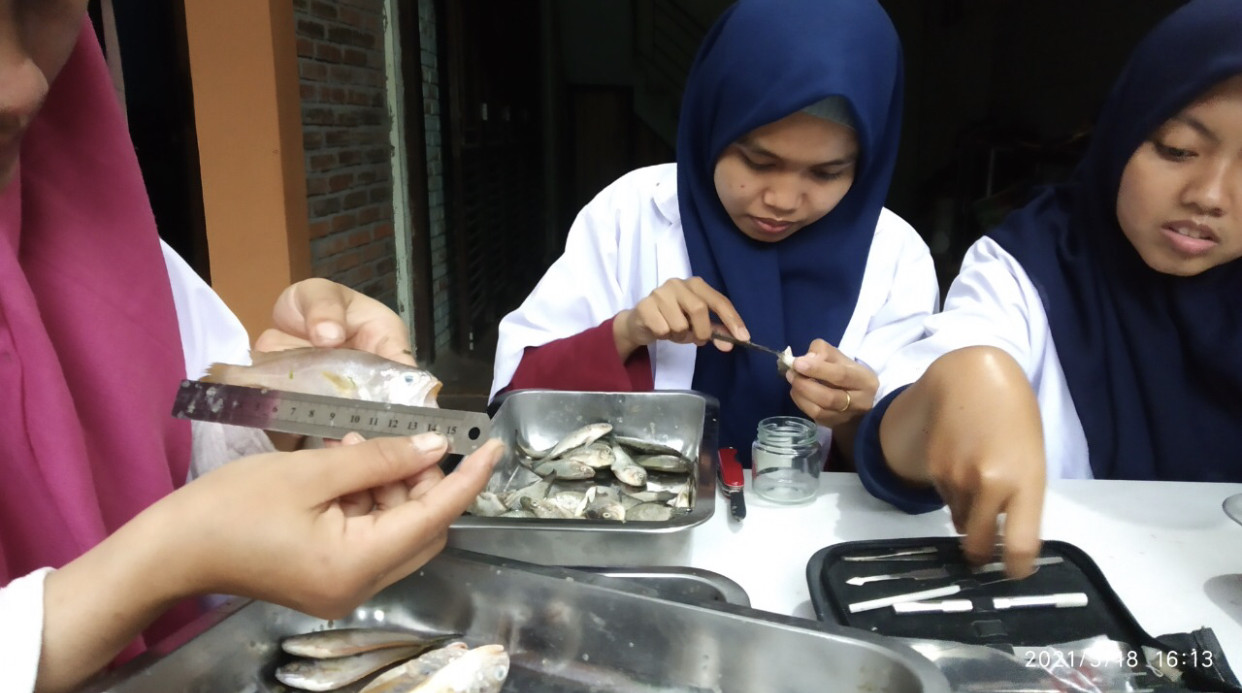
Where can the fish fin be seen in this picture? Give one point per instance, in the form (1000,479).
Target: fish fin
(218,373)
(258,358)
(228,373)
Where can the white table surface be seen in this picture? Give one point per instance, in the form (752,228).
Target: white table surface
(1167,548)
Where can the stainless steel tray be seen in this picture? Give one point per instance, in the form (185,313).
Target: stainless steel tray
(690,585)
(684,420)
(563,633)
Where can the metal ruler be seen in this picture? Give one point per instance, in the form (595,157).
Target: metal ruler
(327,417)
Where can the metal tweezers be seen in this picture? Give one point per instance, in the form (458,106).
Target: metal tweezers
(922,553)
(942,571)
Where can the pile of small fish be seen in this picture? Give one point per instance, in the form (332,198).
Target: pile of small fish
(597,474)
(411,662)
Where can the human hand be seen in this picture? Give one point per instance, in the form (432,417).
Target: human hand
(680,311)
(319,531)
(830,387)
(322,313)
(984,449)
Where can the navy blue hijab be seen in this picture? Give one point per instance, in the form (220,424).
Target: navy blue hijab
(762,61)
(1154,362)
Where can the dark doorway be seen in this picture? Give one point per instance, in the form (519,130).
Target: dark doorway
(494,168)
(160,108)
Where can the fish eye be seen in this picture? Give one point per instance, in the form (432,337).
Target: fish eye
(409,377)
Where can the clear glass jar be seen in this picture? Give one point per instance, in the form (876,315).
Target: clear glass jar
(786,459)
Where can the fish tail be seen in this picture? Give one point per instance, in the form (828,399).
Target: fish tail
(218,373)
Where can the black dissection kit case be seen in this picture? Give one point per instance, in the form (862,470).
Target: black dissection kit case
(1197,654)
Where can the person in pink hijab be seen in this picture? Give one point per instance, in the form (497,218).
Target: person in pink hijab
(103,544)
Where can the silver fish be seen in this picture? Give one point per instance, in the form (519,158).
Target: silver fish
(404,677)
(579,486)
(535,491)
(604,503)
(564,507)
(481,670)
(649,512)
(564,469)
(342,642)
(642,446)
(487,504)
(665,463)
(571,501)
(661,481)
(631,498)
(682,500)
(348,373)
(329,674)
(583,436)
(597,455)
(625,469)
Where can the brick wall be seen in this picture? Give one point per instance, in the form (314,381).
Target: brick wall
(441,306)
(345,135)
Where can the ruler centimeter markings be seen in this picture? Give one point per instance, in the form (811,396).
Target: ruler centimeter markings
(327,417)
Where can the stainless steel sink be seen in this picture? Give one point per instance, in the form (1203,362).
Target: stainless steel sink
(566,631)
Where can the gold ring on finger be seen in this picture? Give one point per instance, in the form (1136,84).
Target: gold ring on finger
(848,400)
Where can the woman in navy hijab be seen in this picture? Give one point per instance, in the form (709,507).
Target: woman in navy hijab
(769,227)
(1112,303)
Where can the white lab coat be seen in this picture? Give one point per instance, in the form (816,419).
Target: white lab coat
(209,332)
(628,241)
(992,302)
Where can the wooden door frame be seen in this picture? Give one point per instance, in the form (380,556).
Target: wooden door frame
(417,190)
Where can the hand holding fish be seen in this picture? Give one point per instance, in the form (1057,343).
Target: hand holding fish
(318,312)
(679,310)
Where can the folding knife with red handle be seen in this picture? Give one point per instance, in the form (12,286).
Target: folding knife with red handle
(732,479)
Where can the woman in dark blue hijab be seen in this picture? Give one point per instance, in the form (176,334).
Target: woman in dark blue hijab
(805,286)
(770,227)
(1135,263)
(1152,351)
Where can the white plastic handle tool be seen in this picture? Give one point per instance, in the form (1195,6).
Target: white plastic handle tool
(1059,601)
(947,606)
(919,596)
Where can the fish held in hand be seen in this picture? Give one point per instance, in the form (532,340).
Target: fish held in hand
(347,373)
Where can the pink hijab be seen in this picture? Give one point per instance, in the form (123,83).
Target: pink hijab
(90,354)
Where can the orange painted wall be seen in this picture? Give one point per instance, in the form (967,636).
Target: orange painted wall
(247,110)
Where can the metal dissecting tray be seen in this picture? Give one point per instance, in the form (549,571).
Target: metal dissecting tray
(566,630)
(683,420)
(674,583)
